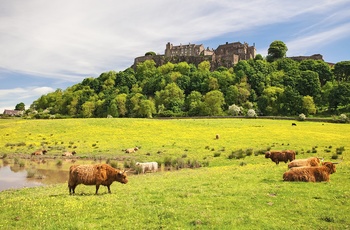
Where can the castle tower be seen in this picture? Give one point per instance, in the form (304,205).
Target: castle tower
(168,49)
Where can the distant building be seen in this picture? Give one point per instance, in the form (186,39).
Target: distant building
(226,55)
(9,112)
(183,50)
(230,54)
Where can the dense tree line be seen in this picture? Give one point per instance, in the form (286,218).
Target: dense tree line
(277,86)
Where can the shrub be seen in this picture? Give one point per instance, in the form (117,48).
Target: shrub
(302,117)
(129,164)
(343,118)
(238,154)
(340,150)
(21,164)
(194,164)
(235,110)
(217,154)
(138,169)
(114,164)
(16,160)
(249,152)
(251,113)
(31,173)
(178,163)
(334,156)
(167,161)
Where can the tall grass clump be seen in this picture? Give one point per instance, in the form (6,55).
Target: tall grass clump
(237,154)
(59,163)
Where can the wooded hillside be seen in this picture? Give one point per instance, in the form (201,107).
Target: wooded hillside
(273,87)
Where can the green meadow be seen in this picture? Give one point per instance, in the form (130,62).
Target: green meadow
(229,191)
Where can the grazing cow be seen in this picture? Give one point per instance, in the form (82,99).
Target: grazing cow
(148,166)
(312,161)
(99,174)
(310,174)
(131,150)
(293,124)
(69,154)
(277,156)
(39,152)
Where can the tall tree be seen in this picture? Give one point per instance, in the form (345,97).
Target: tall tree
(172,98)
(20,106)
(339,96)
(213,103)
(194,103)
(291,102)
(309,105)
(342,71)
(276,50)
(147,108)
(322,68)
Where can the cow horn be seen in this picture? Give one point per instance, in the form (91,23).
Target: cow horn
(321,158)
(335,163)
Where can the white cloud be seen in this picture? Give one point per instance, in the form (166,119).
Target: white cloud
(300,46)
(60,39)
(11,97)
(70,40)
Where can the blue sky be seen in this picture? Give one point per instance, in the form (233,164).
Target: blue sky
(53,44)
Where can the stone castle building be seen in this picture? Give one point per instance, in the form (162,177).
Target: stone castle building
(226,55)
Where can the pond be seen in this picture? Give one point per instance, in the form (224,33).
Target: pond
(16,174)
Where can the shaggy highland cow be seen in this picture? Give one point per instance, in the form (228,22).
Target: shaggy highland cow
(312,161)
(99,174)
(277,156)
(310,174)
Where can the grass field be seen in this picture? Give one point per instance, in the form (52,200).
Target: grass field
(245,193)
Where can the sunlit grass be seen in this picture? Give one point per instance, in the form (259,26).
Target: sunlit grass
(195,138)
(244,193)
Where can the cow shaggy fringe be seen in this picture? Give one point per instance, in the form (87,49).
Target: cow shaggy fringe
(310,174)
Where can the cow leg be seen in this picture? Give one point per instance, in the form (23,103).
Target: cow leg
(97,187)
(72,189)
(109,189)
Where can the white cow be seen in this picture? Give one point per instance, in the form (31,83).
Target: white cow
(148,166)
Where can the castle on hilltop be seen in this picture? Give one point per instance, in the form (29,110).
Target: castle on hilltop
(226,55)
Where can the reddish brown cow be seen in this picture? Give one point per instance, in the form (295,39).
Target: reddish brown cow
(39,152)
(99,174)
(310,174)
(277,156)
(311,161)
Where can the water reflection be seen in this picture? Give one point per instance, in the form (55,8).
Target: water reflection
(15,179)
(33,173)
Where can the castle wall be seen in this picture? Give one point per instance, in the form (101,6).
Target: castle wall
(226,55)
(313,57)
